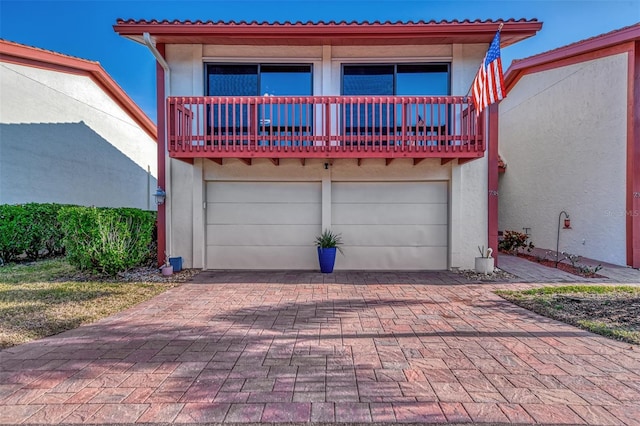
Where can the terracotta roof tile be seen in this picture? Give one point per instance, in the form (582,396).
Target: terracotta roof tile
(39,49)
(587,41)
(320,23)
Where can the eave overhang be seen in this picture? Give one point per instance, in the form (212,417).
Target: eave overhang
(328,33)
(520,67)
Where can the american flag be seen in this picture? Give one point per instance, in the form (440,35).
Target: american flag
(488,85)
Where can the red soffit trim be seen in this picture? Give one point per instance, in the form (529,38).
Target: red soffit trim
(600,42)
(333,33)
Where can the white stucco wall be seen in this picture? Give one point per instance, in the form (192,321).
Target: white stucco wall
(467,183)
(563,137)
(64,140)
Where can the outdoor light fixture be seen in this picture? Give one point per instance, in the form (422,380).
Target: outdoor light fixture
(567,225)
(160,196)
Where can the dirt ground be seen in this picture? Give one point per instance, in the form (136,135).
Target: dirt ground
(615,314)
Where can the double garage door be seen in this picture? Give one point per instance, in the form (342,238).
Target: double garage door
(272,225)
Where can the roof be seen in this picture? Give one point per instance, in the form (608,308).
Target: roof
(327,33)
(520,67)
(40,58)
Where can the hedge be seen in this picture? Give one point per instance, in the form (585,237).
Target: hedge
(31,230)
(103,240)
(107,240)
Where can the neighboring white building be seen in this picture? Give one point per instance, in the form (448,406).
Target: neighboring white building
(570,136)
(70,135)
(276,131)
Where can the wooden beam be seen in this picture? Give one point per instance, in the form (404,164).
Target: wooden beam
(388,161)
(275,161)
(466,160)
(216,160)
(417,161)
(444,161)
(246,161)
(185,160)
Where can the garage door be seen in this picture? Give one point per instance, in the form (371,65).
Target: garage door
(262,225)
(391,225)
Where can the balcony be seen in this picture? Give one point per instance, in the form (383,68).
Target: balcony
(328,127)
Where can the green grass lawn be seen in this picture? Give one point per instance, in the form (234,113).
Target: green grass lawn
(40,299)
(612,311)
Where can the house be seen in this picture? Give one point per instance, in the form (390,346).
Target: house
(271,132)
(70,135)
(570,137)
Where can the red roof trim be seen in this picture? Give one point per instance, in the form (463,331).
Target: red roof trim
(232,32)
(35,57)
(314,23)
(553,58)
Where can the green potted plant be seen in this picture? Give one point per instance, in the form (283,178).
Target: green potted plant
(327,243)
(484,263)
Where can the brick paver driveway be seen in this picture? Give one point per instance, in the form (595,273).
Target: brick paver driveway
(243,352)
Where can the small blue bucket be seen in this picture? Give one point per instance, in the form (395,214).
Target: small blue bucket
(176,262)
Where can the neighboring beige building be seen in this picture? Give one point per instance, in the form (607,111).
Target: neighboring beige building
(69,134)
(570,136)
(276,131)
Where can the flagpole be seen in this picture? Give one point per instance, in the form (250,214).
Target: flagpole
(471,85)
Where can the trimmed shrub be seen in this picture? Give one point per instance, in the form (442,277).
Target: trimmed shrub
(106,240)
(14,227)
(31,230)
(45,233)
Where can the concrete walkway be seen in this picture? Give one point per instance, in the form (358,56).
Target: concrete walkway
(246,350)
(532,272)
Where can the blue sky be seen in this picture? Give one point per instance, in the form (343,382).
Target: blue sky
(84,28)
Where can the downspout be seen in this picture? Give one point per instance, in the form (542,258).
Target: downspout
(164,169)
(152,47)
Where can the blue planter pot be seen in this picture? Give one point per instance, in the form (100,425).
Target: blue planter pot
(327,258)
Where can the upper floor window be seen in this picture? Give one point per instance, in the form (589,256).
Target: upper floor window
(272,120)
(258,80)
(396,79)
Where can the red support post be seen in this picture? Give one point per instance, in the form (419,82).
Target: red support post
(492,178)
(633,158)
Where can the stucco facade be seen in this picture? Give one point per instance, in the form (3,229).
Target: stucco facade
(566,134)
(394,211)
(466,185)
(68,134)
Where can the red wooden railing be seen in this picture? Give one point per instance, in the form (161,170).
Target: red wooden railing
(324,126)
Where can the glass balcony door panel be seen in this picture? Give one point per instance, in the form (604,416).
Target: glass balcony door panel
(231,121)
(285,80)
(290,120)
(238,118)
(425,122)
(370,120)
(422,79)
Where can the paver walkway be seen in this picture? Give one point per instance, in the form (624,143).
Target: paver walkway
(323,352)
(533,272)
